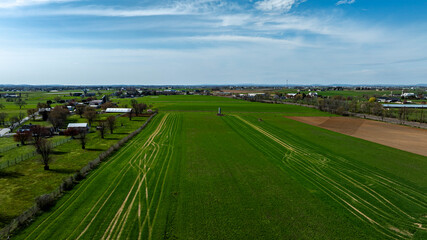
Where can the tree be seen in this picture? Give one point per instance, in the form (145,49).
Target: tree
(80,109)
(138,108)
(22,137)
(57,99)
(108,105)
(44,148)
(377,109)
(111,122)
(90,114)
(21,116)
(58,116)
(32,113)
(42,105)
(13,120)
(83,137)
(80,134)
(3,117)
(102,126)
(20,103)
(39,132)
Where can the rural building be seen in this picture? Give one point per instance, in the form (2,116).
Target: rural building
(78,126)
(118,110)
(408,95)
(291,95)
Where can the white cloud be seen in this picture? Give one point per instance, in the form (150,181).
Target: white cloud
(277,5)
(114,12)
(249,39)
(340,2)
(23,3)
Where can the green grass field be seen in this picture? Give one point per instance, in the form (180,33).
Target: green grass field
(251,174)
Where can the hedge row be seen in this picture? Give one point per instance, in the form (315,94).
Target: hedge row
(46,201)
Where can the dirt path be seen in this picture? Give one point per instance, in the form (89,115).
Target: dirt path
(404,138)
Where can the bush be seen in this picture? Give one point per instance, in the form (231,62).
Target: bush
(67,185)
(45,202)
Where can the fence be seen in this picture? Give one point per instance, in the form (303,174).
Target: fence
(67,184)
(26,156)
(10,147)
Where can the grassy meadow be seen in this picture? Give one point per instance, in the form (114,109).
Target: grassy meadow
(251,174)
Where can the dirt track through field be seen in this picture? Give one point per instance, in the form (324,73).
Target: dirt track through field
(404,138)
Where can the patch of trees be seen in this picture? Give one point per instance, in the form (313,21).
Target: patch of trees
(138,108)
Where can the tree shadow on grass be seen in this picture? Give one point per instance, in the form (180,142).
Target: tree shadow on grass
(59,152)
(10,174)
(94,149)
(61,170)
(113,138)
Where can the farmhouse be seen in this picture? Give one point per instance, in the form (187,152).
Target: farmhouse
(78,126)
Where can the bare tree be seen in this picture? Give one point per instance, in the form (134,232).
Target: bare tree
(80,109)
(58,116)
(90,114)
(20,103)
(108,105)
(80,134)
(3,117)
(13,120)
(32,113)
(44,148)
(83,138)
(138,108)
(102,127)
(21,116)
(38,132)
(111,122)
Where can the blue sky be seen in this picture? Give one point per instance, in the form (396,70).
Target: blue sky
(213,42)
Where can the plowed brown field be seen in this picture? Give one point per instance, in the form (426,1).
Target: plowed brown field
(405,138)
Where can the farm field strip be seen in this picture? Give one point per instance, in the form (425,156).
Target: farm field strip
(127,203)
(391,207)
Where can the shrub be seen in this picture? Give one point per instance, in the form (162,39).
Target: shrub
(45,202)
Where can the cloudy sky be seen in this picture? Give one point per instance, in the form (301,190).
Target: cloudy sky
(213,42)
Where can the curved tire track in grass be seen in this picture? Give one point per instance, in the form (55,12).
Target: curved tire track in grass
(343,181)
(133,184)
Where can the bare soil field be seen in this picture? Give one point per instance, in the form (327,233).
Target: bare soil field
(396,136)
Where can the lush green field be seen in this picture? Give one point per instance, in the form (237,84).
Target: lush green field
(123,199)
(248,175)
(227,105)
